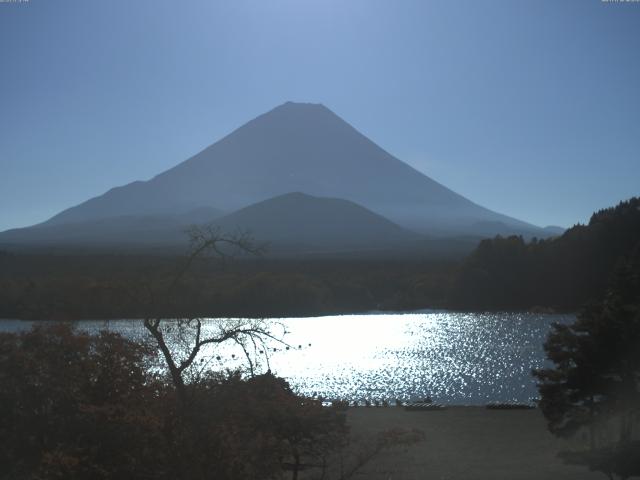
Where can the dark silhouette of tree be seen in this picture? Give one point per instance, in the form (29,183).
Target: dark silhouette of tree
(595,381)
(76,406)
(261,414)
(245,332)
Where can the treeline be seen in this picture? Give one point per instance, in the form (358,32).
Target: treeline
(561,273)
(39,286)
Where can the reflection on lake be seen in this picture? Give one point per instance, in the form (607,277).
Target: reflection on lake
(456,358)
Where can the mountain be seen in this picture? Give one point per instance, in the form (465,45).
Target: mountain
(125,230)
(290,223)
(300,222)
(299,147)
(554,230)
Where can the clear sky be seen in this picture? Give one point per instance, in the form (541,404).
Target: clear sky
(530,108)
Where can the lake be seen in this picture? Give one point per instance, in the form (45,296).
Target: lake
(456,358)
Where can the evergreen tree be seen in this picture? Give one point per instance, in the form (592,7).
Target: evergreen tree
(596,375)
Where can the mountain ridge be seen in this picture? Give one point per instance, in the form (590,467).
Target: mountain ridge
(297,147)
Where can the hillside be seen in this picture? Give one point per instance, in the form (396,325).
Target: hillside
(561,273)
(296,221)
(118,231)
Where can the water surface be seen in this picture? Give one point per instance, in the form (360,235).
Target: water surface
(456,358)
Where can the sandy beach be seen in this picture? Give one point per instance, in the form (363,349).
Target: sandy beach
(464,443)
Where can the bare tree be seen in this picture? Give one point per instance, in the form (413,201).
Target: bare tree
(249,334)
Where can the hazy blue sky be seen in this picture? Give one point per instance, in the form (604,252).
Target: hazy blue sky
(531,108)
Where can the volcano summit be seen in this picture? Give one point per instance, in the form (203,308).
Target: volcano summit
(296,147)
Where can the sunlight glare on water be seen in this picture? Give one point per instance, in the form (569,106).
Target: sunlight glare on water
(456,358)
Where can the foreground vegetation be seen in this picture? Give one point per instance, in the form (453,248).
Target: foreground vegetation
(76,406)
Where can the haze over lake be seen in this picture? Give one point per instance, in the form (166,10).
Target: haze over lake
(456,358)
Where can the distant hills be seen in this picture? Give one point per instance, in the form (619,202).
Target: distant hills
(508,273)
(293,222)
(121,230)
(351,191)
(298,221)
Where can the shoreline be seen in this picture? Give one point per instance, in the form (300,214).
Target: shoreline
(310,315)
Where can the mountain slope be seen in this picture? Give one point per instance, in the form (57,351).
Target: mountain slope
(304,148)
(297,221)
(290,223)
(152,230)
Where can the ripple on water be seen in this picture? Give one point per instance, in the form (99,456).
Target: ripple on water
(455,358)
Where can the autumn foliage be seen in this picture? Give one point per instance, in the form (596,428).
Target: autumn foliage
(77,406)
